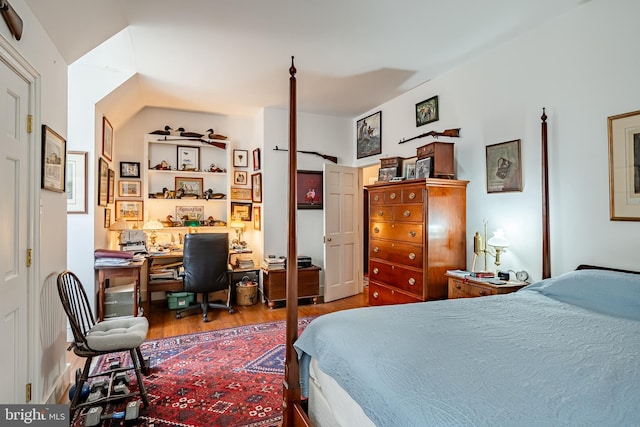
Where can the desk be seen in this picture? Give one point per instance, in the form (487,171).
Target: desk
(110,272)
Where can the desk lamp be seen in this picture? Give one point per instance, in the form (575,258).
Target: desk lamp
(120,225)
(238,226)
(499,244)
(152,226)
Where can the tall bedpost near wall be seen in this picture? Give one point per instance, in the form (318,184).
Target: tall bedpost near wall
(546,259)
(293,415)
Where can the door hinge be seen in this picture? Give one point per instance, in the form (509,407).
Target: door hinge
(28,392)
(29,123)
(29,257)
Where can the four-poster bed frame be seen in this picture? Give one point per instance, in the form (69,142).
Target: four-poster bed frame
(293,413)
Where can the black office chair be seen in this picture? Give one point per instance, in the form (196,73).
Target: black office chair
(206,270)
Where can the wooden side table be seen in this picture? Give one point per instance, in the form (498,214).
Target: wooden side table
(471,287)
(274,284)
(106,273)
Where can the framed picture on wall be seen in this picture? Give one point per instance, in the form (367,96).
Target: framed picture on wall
(241,211)
(54,162)
(504,168)
(427,111)
(369,135)
(129,169)
(624,166)
(256,187)
(129,210)
(103,182)
(112,186)
(76,185)
(256,218)
(129,188)
(309,189)
(107,139)
(240,158)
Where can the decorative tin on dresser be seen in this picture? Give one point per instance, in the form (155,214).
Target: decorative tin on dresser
(417,231)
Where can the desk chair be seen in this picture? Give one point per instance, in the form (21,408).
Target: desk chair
(91,338)
(206,269)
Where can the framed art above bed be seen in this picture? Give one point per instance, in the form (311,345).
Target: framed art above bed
(624,166)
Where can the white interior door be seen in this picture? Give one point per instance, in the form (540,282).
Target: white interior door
(14,217)
(342,271)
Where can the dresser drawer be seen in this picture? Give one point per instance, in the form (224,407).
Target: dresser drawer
(406,232)
(387,196)
(413,194)
(405,278)
(396,252)
(407,213)
(381,213)
(463,289)
(382,295)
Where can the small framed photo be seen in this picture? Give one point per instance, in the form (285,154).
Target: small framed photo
(190,186)
(423,168)
(241,211)
(256,187)
(103,182)
(369,135)
(129,188)
(240,193)
(427,111)
(240,177)
(129,169)
(309,190)
(190,213)
(504,170)
(129,210)
(256,159)
(54,162)
(107,218)
(410,168)
(107,139)
(256,218)
(240,158)
(385,174)
(76,185)
(112,186)
(624,166)
(188,158)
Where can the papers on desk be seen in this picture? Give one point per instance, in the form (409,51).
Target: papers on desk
(111,258)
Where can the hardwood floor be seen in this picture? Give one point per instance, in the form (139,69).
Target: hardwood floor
(163,322)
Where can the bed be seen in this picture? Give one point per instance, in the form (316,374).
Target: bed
(562,351)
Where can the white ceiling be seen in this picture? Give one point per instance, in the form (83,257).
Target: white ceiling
(232,56)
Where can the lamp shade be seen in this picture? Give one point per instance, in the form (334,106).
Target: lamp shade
(236,224)
(152,225)
(498,240)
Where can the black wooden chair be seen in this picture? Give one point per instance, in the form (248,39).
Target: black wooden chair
(91,339)
(206,269)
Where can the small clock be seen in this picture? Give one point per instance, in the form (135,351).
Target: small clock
(522,276)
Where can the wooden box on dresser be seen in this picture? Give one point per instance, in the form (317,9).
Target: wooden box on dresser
(417,231)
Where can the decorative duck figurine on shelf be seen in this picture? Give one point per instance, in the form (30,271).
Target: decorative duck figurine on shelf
(166,131)
(186,134)
(212,135)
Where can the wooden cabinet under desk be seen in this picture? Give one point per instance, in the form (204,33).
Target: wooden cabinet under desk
(274,284)
(471,287)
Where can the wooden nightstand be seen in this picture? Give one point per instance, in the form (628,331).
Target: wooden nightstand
(471,287)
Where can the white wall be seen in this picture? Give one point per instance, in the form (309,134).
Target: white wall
(583,67)
(46,355)
(324,134)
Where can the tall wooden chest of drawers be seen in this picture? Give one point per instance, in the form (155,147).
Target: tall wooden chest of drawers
(417,231)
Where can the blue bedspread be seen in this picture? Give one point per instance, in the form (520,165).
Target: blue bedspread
(539,357)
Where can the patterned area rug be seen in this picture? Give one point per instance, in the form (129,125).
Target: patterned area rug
(228,378)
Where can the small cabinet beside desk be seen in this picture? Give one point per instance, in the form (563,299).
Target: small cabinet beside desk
(106,273)
(162,285)
(274,284)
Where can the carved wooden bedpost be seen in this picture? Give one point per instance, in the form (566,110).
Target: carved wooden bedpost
(546,250)
(293,415)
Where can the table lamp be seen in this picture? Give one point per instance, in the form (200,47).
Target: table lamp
(152,226)
(499,244)
(120,225)
(238,226)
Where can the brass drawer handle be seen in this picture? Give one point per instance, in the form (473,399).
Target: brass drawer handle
(483,292)
(376,271)
(376,230)
(412,233)
(412,195)
(376,249)
(412,281)
(392,196)
(407,213)
(412,256)
(375,294)
(380,213)
(376,198)
(458,286)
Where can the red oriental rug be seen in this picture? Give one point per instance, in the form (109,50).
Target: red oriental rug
(228,378)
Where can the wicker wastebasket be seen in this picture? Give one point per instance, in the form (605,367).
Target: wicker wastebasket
(246,292)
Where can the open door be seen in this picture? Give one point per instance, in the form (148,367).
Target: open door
(342,255)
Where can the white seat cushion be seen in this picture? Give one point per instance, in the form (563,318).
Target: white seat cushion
(118,334)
